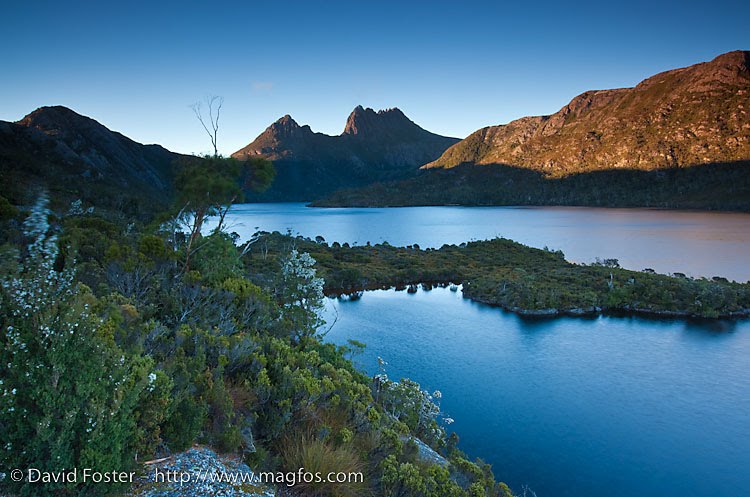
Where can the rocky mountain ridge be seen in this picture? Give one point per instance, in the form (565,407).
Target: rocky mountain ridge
(679,118)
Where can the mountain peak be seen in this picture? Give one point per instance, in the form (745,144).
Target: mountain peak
(737,58)
(59,110)
(732,68)
(286,127)
(678,118)
(356,122)
(77,149)
(729,68)
(363,120)
(375,146)
(285,123)
(58,119)
(77,130)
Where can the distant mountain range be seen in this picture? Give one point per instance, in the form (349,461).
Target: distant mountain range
(678,139)
(75,157)
(374,147)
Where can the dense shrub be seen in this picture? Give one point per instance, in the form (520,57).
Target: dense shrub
(151,354)
(69,395)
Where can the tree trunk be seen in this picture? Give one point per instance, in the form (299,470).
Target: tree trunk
(195,233)
(223,214)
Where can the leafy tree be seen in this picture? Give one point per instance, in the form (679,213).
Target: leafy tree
(354,347)
(406,401)
(208,186)
(217,260)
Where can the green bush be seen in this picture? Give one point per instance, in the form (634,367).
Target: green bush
(185,423)
(217,259)
(69,395)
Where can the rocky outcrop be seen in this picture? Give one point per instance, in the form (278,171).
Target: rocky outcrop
(426,453)
(199,472)
(374,146)
(684,117)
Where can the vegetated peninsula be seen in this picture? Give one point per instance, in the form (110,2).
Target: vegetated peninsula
(680,138)
(374,146)
(517,278)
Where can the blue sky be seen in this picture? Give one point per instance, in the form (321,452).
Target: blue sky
(452,67)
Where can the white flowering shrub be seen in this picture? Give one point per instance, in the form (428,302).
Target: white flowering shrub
(407,402)
(67,395)
(301,293)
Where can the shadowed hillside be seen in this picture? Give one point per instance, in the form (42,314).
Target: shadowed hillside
(375,146)
(75,157)
(710,186)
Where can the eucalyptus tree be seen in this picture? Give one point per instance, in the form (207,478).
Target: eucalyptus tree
(208,186)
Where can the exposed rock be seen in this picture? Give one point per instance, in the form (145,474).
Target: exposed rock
(426,453)
(684,117)
(195,473)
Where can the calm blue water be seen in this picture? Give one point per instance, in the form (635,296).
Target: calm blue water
(607,407)
(695,243)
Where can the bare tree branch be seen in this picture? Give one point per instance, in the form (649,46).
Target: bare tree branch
(212,102)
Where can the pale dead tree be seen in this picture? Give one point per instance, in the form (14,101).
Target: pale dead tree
(134,284)
(527,492)
(211,122)
(248,245)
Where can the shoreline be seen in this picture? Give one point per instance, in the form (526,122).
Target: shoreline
(546,313)
(517,278)
(315,204)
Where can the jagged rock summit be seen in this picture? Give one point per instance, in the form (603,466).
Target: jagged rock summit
(374,146)
(383,124)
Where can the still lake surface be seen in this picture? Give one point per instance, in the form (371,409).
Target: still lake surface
(606,407)
(610,406)
(695,243)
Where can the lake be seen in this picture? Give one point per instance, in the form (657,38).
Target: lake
(606,407)
(610,406)
(691,242)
